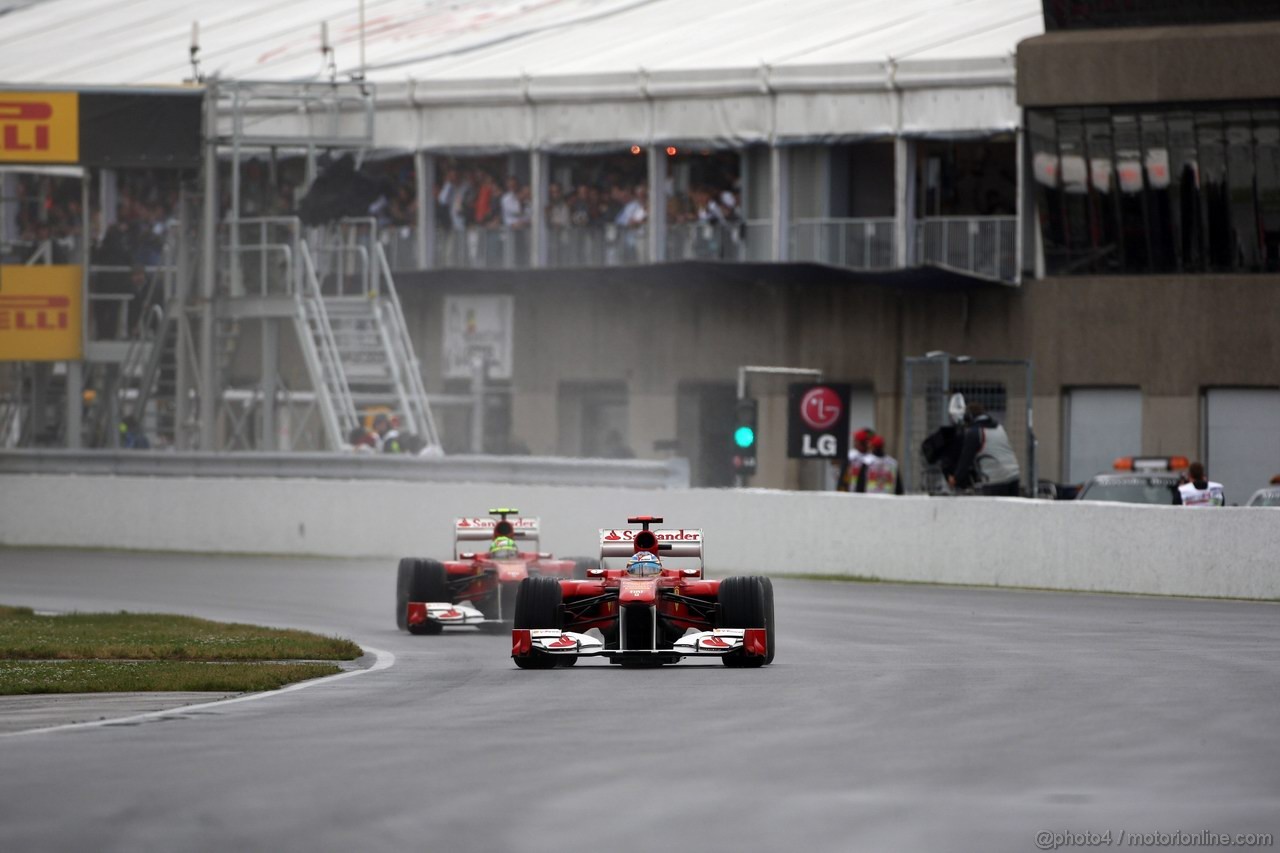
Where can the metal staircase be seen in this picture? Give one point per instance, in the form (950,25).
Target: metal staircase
(355,340)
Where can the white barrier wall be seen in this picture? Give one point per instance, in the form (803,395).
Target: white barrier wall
(992,541)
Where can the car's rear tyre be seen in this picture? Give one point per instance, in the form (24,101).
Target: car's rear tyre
(538,606)
(581,565)
(747,602)
(420,580)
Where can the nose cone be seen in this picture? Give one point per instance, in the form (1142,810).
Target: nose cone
(638,591)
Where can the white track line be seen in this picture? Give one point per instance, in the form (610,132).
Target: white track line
(384,660)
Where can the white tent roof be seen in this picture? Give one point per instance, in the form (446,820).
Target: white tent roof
(559,72)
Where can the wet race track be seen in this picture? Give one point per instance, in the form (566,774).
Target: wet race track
(895,718)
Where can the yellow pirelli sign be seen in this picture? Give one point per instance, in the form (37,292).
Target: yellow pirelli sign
(40,311)
(39,127)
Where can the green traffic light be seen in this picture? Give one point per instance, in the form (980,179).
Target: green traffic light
(744,436)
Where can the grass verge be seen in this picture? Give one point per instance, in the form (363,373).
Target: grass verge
(99,676)
(156,636)
(131,652)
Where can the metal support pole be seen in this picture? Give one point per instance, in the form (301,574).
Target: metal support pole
(270,369)
(182,366)
(479,373)
(539,167)
(1019,237)
(75,401)
(233,215)
(108,200)
(908,453)
(657,213)
(904,169)
(780,200)
(424,170)
(39,399)
(208,248)
(1033,477)
(9,208)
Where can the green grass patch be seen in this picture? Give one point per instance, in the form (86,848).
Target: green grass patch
(23,677)
(154,636)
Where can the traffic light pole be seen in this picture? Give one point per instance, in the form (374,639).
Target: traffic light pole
(739,480)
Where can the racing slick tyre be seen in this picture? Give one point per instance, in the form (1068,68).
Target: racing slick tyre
(580,566)
(538,606)
(420,580)
(747,602)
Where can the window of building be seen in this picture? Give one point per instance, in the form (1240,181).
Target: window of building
(1151,190)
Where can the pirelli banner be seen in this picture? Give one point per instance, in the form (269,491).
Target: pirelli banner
(40,311)
(143,128)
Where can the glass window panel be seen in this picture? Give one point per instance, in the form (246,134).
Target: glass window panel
(1215,208)
(1103,192)
(1073,167)
(1184,186)
(1042,135)
(1160,198)
(1244,216)
(1133,210)
(1266,140)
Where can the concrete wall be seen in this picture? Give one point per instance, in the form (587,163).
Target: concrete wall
(1003,542)
(1147,65)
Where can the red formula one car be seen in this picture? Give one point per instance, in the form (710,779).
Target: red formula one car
(647,612)
(479,586)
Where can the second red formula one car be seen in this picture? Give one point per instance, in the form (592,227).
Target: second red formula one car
(645,613)
(491,557)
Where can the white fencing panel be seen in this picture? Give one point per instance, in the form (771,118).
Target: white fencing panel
(1102,425)
(1243,439)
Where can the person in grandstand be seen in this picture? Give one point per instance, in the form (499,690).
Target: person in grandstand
(1199,491)
(879,474)
(644,564)
(987,461)
(859,456)
(388,434)
(503,548)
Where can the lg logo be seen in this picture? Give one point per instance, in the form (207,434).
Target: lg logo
(820,408)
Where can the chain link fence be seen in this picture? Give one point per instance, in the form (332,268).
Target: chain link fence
(1002,386)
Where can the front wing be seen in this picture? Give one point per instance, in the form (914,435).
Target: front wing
(721,641)
(445,613)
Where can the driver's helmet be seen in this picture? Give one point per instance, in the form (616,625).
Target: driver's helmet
(503,548)
(644,563)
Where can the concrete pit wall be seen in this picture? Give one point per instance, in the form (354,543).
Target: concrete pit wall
(1000,542)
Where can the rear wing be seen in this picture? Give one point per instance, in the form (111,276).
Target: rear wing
(619,542)
(482,530)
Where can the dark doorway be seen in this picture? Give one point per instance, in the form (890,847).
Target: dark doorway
(704,424)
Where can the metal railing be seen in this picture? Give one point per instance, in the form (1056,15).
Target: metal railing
(401,346)
(261,255)
(984,245)
(479,247)
(863,244)
(320,350)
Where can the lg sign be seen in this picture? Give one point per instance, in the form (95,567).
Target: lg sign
(818,421)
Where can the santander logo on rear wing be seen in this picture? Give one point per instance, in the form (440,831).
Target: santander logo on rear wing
(481,529)
(620,542)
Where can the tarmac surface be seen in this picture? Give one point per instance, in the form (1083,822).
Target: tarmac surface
(896,718)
